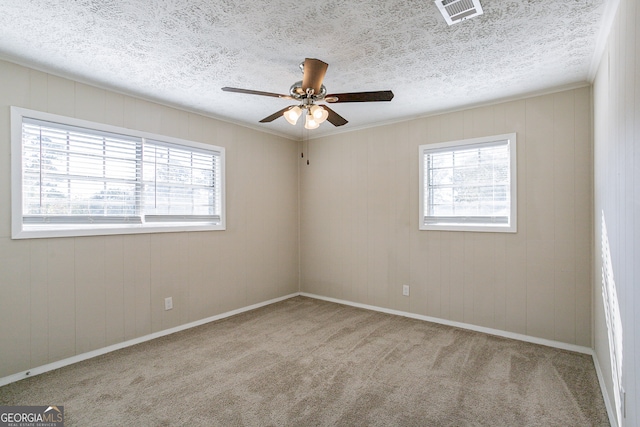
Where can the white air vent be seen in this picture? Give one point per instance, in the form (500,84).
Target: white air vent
(458,10)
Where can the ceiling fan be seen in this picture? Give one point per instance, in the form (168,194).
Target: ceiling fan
(308,92)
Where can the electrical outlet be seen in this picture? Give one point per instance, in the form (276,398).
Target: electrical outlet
(168,303)
(405,290)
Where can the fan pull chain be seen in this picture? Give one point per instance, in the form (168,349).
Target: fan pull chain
(303,141)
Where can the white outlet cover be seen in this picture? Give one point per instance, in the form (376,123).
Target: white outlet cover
(405,290)
(168,303)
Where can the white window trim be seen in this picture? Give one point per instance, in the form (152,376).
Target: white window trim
(511,225)
(17,231)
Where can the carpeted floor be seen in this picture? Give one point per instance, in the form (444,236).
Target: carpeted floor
(305,362)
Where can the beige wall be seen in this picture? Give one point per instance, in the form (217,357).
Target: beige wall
(358,225)
(617,200)
(64,296)
(359,222)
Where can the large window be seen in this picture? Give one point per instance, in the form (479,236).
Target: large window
(469,185)
(74,178)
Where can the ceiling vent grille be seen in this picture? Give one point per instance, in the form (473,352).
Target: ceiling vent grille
(455,11)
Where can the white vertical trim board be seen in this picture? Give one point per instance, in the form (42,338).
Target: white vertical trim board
(608,17)
(607,402)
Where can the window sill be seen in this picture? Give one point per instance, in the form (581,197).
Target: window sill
(91,230)
(485,228)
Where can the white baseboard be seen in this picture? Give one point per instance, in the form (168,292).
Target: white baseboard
(88,355)
(490,331)
(613,419)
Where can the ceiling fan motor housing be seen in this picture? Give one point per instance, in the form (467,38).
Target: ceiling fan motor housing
(298,92)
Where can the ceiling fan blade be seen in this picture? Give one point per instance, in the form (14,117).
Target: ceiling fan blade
(335,118)
(255,92)
(276,114)
(381,95)
(314,71)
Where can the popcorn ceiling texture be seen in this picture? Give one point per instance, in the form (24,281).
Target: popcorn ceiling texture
(181,52)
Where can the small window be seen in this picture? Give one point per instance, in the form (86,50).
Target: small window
(469,185)
(76,178)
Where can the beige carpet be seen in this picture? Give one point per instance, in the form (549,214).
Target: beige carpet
(304,362)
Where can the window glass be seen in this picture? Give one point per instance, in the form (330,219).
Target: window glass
(469,185)
(72,177)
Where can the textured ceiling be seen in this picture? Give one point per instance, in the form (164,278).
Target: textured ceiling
(181,52)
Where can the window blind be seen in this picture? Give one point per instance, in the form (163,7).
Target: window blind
(73,176)
(468,184)
(77,175)
(180,184)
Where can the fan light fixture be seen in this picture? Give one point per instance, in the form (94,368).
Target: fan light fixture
(310,122)
(310,90)
(314,116)
(293,114)
(319,113)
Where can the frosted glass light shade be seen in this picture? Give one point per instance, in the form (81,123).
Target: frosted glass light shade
(310,122)
(319,113)
(292,115)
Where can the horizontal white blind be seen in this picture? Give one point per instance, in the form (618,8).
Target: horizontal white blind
(180,184)
(467,184)
(78,175)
